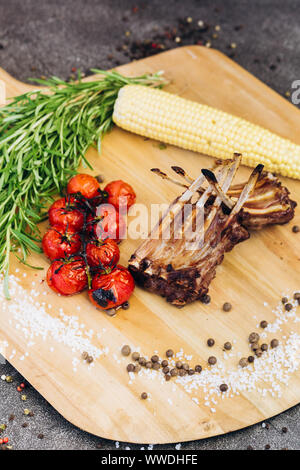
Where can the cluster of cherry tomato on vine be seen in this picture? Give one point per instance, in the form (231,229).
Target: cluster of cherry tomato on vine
(82,242)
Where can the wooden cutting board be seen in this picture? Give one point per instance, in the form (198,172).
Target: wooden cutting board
(103,399)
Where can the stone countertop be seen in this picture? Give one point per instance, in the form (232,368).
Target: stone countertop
(55,38)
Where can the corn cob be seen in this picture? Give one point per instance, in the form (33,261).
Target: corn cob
(171,119)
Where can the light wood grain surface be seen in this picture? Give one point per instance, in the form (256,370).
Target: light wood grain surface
(252,278)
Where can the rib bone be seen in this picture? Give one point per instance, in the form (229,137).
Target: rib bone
(269,203)
(180,270)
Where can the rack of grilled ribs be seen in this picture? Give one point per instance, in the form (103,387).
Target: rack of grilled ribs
(179,262)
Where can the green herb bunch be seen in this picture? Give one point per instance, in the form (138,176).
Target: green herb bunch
(44,136)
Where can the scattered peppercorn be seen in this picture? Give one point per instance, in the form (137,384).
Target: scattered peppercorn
(40,436)
(125,305)
(243,362)
(205,299)
(144,396)
(178,364)
(264,347)
(155,365)
(297,297)
(288,307)
(191,371)
(126,350)
(185,31)
(167,377)
(99,178)
(166,370)
(155,358)
(90,359)
(274,343)
(284,300)
(185,366)
(137,368)
(198,368)
(135,356)
(212,360)
(254,346)
(253,338)
(173,372)
(148,365)
(227,346)
(295,229)
(164,363)
(258,352)
(251,359)
(142,361)
(223,387)
(227,307)
(210,342)
(284,430)
(181,372)
(130,367)
(263,324)
(267,446)
(169,353)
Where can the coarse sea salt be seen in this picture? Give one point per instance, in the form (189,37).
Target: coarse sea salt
(266,376)
(33,320)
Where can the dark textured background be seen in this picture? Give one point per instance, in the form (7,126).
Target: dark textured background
(42,38)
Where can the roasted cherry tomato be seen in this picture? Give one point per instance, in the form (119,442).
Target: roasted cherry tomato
(120,194)
(108,223)
(87,185)
(59,242)
(66,213)
(68,277)
(104,254)
(112,289)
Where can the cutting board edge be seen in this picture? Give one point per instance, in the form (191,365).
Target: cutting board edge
(212,434)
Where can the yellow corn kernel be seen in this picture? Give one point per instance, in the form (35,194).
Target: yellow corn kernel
(174,120)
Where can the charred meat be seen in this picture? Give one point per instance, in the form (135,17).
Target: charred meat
(179,259)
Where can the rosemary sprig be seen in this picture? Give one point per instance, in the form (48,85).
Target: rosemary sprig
(44,136)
